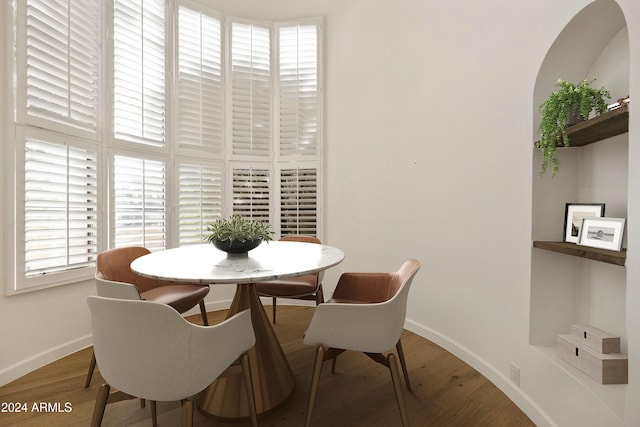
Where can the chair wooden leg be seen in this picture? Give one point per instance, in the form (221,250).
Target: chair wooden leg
(273,309)
(403,364)
(203,312)
(397,386)
(319,295)
(187,413)
(154,414)
(315,380)
(101,403)
(334,361)
(92,367)
(248,384)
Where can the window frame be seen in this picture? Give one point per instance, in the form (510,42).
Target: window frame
(174,110)
(18,61)
(319,23)
(141,143)
(68,275)
(230,142)
(17,125)
(282,166)
(218,166)
(168,178)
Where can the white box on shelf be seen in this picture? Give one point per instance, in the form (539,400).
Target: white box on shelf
(599,340)
(609,368)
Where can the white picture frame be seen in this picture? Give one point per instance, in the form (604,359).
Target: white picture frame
(603,233)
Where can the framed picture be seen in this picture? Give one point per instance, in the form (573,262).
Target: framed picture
(574,213)
(604,233)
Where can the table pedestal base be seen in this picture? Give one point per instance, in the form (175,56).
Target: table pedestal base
(272,378)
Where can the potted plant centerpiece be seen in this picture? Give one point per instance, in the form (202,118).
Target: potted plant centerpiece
(237,235)
(565,107)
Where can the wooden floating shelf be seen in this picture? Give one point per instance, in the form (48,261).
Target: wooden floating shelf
(596,254)
(606,125)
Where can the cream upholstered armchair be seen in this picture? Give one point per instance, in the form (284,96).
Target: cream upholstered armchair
(148,350)
(306,287)
(367,314)
(115,279)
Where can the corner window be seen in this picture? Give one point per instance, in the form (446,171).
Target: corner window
(139,122)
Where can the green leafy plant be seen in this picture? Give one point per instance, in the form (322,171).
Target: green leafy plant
(238,229)
(570,100)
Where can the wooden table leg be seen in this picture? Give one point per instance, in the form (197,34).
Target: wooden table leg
(273,380)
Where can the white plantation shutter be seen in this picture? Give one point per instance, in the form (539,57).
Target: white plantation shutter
(200,85)
(139,207)
(200,200)
(299,96)
(139,71)
(251,89)
(233,95)
(60,207)
(61,70)
(299,201)
(251,193)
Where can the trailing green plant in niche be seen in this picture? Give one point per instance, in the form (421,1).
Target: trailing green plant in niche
(238,229)
(569,100)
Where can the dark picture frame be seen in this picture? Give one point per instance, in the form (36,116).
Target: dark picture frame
(574,213)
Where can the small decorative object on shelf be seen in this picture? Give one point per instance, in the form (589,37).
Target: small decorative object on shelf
(603,233)
(237,235)
(621,102)
(573,215)
(570,101)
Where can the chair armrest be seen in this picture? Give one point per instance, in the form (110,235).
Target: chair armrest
(214,348)
(112,289)
(370,328)
(362,287)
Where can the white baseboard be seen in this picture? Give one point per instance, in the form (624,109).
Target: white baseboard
(499,379)
(39,360)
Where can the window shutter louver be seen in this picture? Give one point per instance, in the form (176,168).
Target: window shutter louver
(200,200)
(251,89)
(139,71)
(61,216)
(62,50)
(298,201)
(299,98)
(251,193)
(200,85)
(139,202)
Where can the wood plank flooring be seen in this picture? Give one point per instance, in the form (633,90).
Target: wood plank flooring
(446,391)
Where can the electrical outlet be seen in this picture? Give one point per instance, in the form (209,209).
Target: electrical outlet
(514,373)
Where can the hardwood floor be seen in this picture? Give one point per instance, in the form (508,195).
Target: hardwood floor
(446,391)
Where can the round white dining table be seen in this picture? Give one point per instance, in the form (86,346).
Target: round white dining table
(271,375)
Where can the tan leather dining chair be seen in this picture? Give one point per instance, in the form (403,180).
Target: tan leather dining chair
(307,287)
(164,357)
(367,314)
(115,279)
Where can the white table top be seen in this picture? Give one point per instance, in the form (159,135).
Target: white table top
(206,264)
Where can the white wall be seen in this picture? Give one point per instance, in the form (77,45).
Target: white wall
(429,133)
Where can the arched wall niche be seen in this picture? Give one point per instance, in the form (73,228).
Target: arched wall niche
(593,45)
(565,289)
